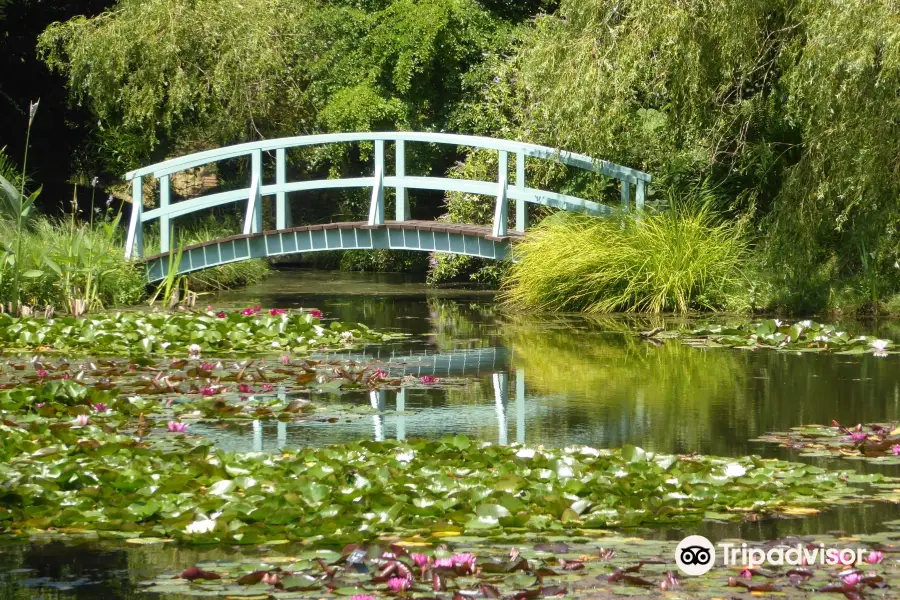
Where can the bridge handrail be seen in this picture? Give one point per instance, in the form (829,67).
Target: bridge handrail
(583,161)
(253,222)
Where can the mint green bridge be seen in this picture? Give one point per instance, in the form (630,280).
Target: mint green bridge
(402,233)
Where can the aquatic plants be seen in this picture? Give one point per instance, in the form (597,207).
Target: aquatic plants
(676,261)
(175,333)
(874,442)
(104,478)
(800,336)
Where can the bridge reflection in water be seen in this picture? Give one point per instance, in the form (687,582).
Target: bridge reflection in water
(391,419)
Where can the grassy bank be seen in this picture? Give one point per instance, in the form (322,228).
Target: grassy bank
(64,261)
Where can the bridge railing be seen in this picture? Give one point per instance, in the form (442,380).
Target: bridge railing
(518,191)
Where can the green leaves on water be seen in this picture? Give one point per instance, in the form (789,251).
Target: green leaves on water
(97,477)
(802,336)
(141,333)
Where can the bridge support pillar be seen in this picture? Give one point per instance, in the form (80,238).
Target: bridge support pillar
(626,195)
(521,207)
(402,209)
(164,193)
(502,207)
(283,218)
(376,208)
(134,243)
(639,195)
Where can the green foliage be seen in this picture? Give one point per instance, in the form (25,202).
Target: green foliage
(676,261)
(166,76)
(785,104)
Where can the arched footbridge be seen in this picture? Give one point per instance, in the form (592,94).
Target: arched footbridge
(401,233)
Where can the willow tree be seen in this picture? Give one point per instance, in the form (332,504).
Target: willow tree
(167,75)
(788,107)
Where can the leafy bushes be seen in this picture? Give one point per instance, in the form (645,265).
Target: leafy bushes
(64,261)
(675,261)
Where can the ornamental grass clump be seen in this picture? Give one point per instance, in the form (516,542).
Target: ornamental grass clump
(677,261)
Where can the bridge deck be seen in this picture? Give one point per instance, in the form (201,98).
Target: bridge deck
(481,231)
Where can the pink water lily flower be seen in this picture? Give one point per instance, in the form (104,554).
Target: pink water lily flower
(896,449)
(443,563)
(208,391)
(398,584)
(100,407)
(429,379)
(277,311)
(466,560)
(245,389)
(221,315)
(39,405)
(875,557)
(858,436)
(207,366)
(82,420)
(267,387)
(285,360)
(420,559)
(851,579)
(42,373)
(177,427)
(247,312)
(315,314)
(381,374)
(270,578)
(746,574)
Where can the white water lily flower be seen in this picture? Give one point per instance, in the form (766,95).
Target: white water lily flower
(620,473)
(202,526)
(347,335)
(194,349)
(526,453)
(276,345)
(880,344)
(405,456)
(165,345)
(735,470)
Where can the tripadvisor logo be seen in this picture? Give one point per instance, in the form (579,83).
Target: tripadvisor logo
(695,555)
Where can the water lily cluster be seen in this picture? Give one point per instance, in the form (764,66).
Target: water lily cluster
(250,330)
(801,336)
(116,477)
(876,442)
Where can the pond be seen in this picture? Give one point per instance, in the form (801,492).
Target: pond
(540,380)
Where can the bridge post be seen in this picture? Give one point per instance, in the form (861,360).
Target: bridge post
(134,243)
(502,207)
(283,217)
(376,208)
(521,210)
(256,164)
(402,198)
(164,244)
(626,195)
(639,195)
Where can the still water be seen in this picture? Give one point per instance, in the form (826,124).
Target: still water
(566,380)
(552,380)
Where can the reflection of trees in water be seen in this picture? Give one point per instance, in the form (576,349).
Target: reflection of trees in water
(677,398)
(456,324)
(100,570)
